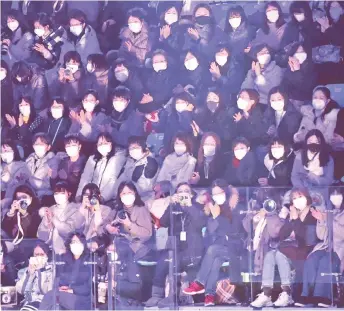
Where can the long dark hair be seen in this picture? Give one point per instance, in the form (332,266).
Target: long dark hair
(27,190)
(235,10)
(28,100)
(279,23)
(301,7)
(339,190)
(216,161)
(279,89)
(330,105)
(62,102)
(131,186)
(108,138)
(82,239)
(225,209)
(12,144)
(18,16)
(287,148)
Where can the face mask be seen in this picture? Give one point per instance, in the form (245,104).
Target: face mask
(181,107)
(73,68)
(264,59)
(159,66)
(277,105)
(336,13)
(60,199)
(212,106)
(314,148)
(191,64)
(56,113)
(242,104)
(7,157)
(203,20)
(77,249)
(136,154)
(179,149)
(40,150)
(42,261)
(219,199)
(208,150)
(300,203)
(277,153)
(221,59)
(135,27)
(13,26)
(76,30)
(89,106)
(300,17)
(171,18)
(337,200)
(235,22)
(2,75)
(25,110)
(119,105)
(301,57)
(72,151)
(90,68)
(272,16)
(122,75)
(39,32)
(240,153)
(104,150)
(318,104)
(128,199)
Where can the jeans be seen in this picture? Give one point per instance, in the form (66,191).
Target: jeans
(271,259)
(319,263)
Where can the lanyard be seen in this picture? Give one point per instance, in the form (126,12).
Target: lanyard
(183,222)
(56,131)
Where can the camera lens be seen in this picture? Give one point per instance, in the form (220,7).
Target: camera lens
(4,49)
(270,205)
(93,200)
(23,204)
(122,214)
(6,298)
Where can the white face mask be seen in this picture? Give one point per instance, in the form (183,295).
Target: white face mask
(277,153)
(41,261)
(179,149)
(219,199)
(61,199)
(128,199)
(191,64)
(272,16)
(171,18)
(337,200)
(264,59)
(221,59)
(76,30)
(242,104)
(300,203)
(277,105)
(240,153)
(13,26)
(40,150)
(119,105)
(208,150)
(336,13)
(104,150)
(72,151)
(159,66)
(135,27)
(25,110)
(90,67)
(122,75)
(7,157)
(235,22)
(89,106)
(300,17)
(136,153)
(301,57)
(77,249)
(56,113)
(39,32)
(73,68)
(181,107)
(318,104)
(2,75)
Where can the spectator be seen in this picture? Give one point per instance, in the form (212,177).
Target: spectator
(241,169)
(102,168)
(36,279)
(59,220)
(337,145)
(6,89)
(179,165)
(313,165)
(8,271)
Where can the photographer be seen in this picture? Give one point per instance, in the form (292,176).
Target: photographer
(36,279)
(185,219)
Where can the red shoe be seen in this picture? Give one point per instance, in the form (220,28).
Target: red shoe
(194,289)
(209,301)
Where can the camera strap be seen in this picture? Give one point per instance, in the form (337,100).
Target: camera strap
(58,127)
(17,240)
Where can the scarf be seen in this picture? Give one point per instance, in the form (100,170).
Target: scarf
(258,233)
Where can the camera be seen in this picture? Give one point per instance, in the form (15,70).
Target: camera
(270,206)
(4,46)
(8,295)
(122,214)
(67,72)
(94,200)
(23,204)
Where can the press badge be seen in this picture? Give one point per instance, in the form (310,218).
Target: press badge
(183,235)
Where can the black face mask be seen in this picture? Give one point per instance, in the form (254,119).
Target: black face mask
(212,106)
(314,148)
(203,20)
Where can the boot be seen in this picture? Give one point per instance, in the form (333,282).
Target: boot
(158,293)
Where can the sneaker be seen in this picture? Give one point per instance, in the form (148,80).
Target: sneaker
(209,300)
(262,301)
(284,300)
(194,289)
(323,305)
(304,302)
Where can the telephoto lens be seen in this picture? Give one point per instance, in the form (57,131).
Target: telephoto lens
(270,206)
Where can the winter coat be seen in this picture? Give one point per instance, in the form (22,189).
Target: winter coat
(57,130)
(7,106)
(91,10)
(240,38)
(103,173)
(302,177)
(245,174)
(217,231)
(338,239)
(309,122)
(214,168)
(38,168)
(177,169)
(66,219)
(99,81)
(270,77)
(34,286)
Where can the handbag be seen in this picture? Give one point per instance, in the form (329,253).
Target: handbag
(224,292)
(326,53)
